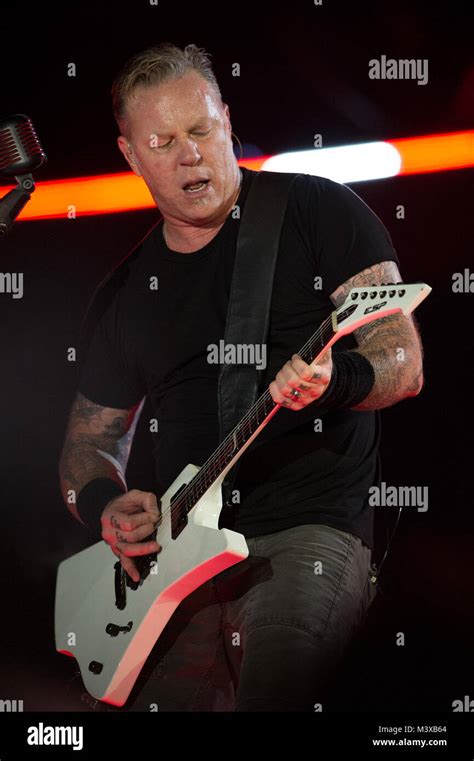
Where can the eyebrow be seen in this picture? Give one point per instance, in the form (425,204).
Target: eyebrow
(201,121)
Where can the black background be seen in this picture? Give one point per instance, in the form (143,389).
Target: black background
(303,71)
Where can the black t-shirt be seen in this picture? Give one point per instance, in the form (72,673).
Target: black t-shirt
(152,341)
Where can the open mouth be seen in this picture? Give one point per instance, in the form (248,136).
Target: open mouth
(195,187)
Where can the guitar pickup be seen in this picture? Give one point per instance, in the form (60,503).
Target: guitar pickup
(179,513)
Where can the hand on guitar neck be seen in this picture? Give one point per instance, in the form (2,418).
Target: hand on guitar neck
(298,384)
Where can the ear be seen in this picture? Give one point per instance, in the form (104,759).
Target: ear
(227,117)
(126,149)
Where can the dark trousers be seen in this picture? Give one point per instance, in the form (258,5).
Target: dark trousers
(266,634)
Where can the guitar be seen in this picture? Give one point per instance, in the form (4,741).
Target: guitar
(110,623)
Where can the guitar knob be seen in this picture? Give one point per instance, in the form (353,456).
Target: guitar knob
(96,667)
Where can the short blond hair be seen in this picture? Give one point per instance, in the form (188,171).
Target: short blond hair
(155,65)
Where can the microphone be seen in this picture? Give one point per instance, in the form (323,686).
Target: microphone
(20,153)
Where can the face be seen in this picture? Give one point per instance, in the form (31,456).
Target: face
(179,133)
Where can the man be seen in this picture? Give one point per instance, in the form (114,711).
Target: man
(267,633)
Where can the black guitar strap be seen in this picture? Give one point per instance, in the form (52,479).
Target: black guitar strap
(248,311)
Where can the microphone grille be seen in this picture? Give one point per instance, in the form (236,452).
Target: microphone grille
(20,148)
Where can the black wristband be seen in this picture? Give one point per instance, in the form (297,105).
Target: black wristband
(92,500)
(352,380)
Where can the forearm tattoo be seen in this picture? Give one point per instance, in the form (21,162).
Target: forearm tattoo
(91,428)
(392,344)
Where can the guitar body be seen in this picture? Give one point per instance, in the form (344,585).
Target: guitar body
(85,602)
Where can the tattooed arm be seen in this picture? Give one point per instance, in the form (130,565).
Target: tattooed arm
(97,445)
(391,344)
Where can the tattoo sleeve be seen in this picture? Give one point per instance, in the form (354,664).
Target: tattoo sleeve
(97,445)
(392,344)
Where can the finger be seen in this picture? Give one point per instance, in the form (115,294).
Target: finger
(297,374)
(133,509)
(287,374)
(315,374)
(129,566)
(301,368)
(304,390)
(147,501)
(321,375)
(136,535)
(137,548)
(136,520)
(325,358)
(286,401)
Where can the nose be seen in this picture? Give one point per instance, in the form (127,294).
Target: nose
(189,152)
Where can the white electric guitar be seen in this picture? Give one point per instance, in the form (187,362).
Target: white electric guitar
(110,623)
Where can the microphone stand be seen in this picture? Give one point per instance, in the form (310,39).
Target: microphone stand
(12,203)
